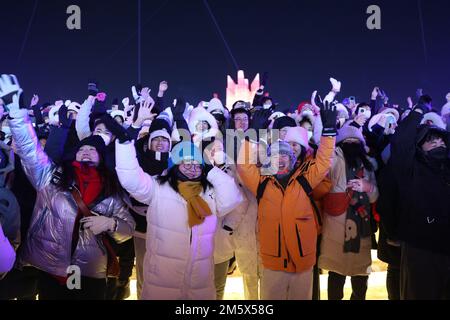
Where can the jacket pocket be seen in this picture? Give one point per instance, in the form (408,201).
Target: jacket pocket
(306,233)
(270,238)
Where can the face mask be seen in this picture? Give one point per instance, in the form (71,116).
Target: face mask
(267,106)
(310,135)
(440,153)
(105,138)
(367,113)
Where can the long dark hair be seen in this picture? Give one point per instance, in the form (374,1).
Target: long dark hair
(354,152)
(172,179)
(110,182)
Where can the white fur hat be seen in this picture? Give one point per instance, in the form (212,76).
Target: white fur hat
(74,106)
(380,119)
(434,119)
(215,105)
(298,135)
(342,111)
(118,113)
(308,114)
(200,114)
(392,111)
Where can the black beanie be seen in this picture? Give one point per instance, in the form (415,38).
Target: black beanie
(283,122)
(160,124)
(95,141)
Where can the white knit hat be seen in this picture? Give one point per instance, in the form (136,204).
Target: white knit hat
(161,133)
(349,131)
(298,135)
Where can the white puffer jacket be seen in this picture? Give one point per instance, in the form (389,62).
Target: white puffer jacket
(225,243)
(179,262)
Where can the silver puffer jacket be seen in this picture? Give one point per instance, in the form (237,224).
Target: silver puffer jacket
(48,243)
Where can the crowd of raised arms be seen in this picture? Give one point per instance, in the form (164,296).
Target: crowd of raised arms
(183,194)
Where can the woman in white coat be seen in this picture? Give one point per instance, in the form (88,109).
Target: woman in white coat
(182,221)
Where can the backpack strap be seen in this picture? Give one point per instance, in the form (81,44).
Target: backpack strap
(308,190)
(261,188)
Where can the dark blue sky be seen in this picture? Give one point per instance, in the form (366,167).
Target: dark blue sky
(300,43)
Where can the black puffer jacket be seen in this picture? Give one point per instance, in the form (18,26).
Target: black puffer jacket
(424,190)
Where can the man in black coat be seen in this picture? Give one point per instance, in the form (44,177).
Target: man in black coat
(421,165)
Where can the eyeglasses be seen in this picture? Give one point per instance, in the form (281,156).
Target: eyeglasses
(192,167)
(160,139)
(241,119)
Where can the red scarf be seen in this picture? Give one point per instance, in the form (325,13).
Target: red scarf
(90,184)
(88,181)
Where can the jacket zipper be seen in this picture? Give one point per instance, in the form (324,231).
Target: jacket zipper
(299,241)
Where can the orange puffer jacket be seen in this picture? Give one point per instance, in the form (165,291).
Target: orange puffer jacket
(287,226)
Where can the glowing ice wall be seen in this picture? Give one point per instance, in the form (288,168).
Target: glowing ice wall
(241,90)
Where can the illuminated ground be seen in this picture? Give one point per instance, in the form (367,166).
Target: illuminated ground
(377,284)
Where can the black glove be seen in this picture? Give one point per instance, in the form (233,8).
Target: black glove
(264,79)
(92,88)
(116,129)
(260,119)
(227,228)
(63,119)
(178,109)
(38,115)
(328,114)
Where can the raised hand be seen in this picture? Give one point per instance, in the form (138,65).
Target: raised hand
(10,87)
(34,101)
(136,93)
(336,85)
(65,121)
(419,93)
(145,93)
(375,93)
(410,102)
(93,88)
(163,86)
(328,114)
(144,113)
(178,109)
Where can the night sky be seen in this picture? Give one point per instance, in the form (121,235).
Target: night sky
(300,43)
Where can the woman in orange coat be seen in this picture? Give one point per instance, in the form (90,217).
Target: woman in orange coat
(287,228)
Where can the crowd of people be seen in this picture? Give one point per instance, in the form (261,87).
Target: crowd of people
(185,194)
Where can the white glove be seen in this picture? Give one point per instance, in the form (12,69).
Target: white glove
(9,87)
(336,85)
(313,99)
(136,95)
(99,224)
(360,185)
